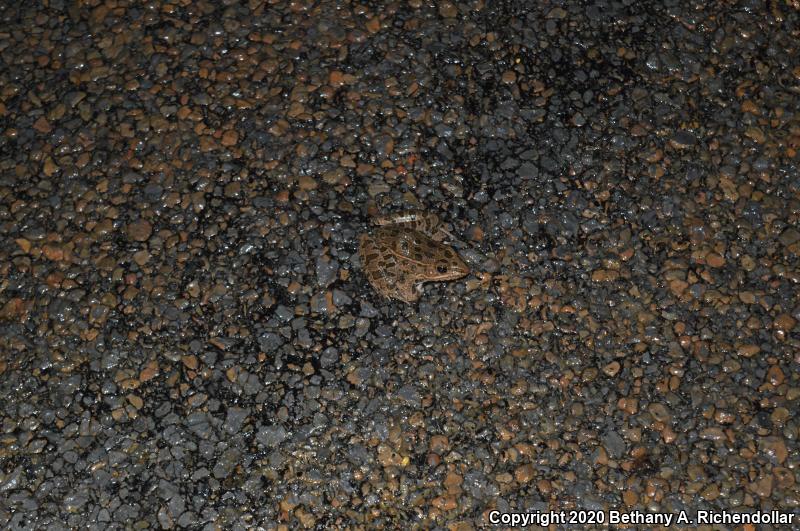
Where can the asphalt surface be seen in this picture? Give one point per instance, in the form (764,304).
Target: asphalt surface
(188,341)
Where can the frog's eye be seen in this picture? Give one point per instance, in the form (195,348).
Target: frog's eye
(441,268)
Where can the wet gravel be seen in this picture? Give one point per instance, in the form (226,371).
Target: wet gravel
(186,337)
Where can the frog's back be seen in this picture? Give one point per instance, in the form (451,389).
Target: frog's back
(377,260)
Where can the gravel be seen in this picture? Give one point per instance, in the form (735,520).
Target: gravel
(187,339)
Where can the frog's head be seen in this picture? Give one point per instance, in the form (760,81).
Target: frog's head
(445,264)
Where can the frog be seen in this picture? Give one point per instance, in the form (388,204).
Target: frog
(405,251)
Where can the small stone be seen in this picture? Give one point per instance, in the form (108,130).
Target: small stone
(678,286)
(774,447)
(711,492)
(193,289)
(42,125)
(232,189)
(24,244)
(660,412)
(509,77)
(374,25)
(190,362)
(712,434)
(614,444)
(53,252)
(452,482)
(140,230)
(784,322)
(49,167)
(149,372)
(630,497)
(135,401)
(336,78)
(439,444)
(447,10)
(306,183)
(748,351)
(230,138)
(762,487)
(715,260)
(557,13)
(683,139)
(775,376)
(141,257)
(605,275)
(611,369)
(749,107)
(789,236)
(544,486)
(525,473)
(755,134)
(747,297)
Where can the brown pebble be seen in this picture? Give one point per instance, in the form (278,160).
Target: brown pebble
(678,286)
(306,183)
(336,78)
(611,369)
(762,487)
(190,362)
(711,492)
(748,351)
(715,260)
(141,257)
(42,125)
(784,322)
(53,253)
(452,482)
(544,486)
(749,107)
(723,417)
(149,372)
(755,134)
(135,401)
(439,444)
(747,297)
(353,378)
(230,138)
(374,25)
(628,405)
(24,244)
(604,275)
(630,497)
(140,230)
(775,375)
(524,474)
(447,10)
(50,167)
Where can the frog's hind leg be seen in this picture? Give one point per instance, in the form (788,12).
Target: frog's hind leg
(407,291)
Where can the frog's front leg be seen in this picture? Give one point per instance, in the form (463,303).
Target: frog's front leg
(425,222)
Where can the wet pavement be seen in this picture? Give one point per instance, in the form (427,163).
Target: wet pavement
(188,341)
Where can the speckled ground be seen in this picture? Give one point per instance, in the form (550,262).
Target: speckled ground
(187,339)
